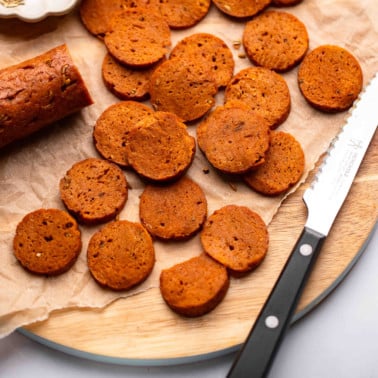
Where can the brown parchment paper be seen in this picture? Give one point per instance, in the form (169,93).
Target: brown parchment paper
(30,172)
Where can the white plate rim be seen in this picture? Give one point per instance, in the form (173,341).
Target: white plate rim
(34,11)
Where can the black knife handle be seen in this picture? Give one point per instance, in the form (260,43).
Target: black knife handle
(256,355)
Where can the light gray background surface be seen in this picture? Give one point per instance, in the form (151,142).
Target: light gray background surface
(339,338)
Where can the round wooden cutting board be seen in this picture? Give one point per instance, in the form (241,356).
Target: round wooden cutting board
(141,330)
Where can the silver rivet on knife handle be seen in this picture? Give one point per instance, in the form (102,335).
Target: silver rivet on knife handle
(272,321)
(305,249)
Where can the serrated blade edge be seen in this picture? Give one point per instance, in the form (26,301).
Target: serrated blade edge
(335,176)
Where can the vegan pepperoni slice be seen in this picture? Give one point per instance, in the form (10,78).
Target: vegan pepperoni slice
(241,8)
(110,133)
(137,37)
(185,87)
(275,40)
(194,287)
(120,255)
(184,13)
(283,167)
(330,78)
(236,237)
(94,190)
(159,148)
(234,138)
(264,90)
(173,212)
(213,49)
(47,242)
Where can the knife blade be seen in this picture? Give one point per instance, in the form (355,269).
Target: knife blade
(323,200)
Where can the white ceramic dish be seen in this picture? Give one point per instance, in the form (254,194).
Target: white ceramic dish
(35,10)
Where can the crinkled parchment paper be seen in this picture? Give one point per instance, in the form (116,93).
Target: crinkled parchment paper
(30,172)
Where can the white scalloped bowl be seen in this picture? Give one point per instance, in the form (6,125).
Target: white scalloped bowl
(37,10)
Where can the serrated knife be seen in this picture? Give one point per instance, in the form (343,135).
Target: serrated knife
(323,200)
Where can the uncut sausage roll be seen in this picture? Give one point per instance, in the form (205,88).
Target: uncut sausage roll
(38,92)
